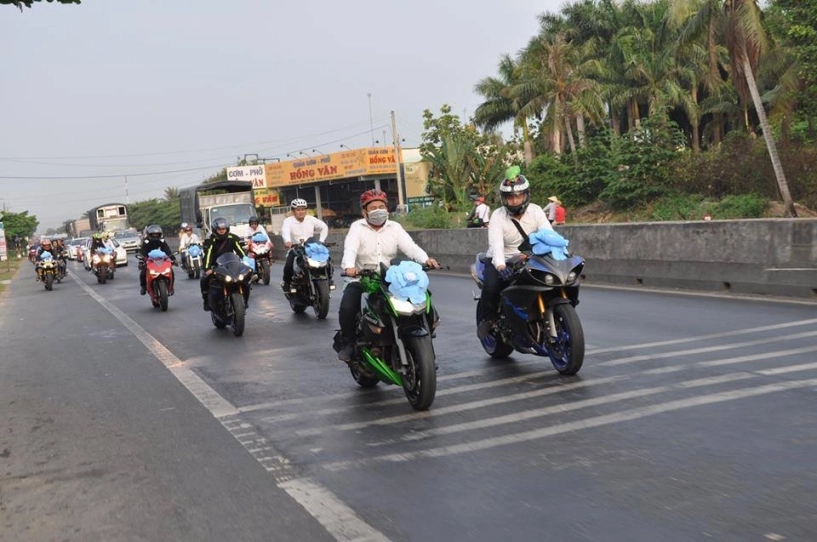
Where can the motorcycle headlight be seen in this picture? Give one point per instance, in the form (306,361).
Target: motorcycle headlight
(550,280)
(107,258)
(315,263)
(228,278)
(240,277)
(571,276)
(154,273)
(406,307)
(96,258)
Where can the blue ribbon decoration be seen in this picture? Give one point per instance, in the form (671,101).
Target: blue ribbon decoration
(407,280)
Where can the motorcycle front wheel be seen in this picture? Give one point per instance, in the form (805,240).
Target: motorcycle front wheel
(237,324)
(49,282)
(265,272)
(101,276)
(567,351)
(321,303)
(162,287)
(420,380)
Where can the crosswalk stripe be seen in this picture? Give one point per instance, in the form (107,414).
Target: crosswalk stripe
(596,421)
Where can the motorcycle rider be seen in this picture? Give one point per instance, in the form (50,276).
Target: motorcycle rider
(296,228)
(372,240)
(153,240)
(185,240)
(504,239)
(255,227)
(45,246)
(221,241)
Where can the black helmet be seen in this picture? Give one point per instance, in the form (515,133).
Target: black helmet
(218,224)
(253,219)
(514,183)
(153,231)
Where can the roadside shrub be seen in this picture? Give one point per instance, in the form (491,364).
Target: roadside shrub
(427,218)
(740,206)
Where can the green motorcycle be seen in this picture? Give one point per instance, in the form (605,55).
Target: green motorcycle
(394,333)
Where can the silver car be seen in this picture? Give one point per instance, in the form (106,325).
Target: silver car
(129,239)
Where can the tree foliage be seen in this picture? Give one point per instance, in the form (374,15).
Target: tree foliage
(28,3)
(19,225)
(166,214)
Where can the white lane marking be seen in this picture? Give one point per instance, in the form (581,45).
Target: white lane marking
(488,370)
(336,517)
(324,507)
(745,331)
(730,361)
(597,421)
(647,357)
(575,405)
(388,402)
(559,387)
(312,399)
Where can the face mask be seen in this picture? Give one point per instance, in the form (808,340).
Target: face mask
(377,217)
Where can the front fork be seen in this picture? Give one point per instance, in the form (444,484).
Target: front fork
(546,312)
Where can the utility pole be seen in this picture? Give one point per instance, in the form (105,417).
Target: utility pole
(371,120)
(401,204)
(127,200)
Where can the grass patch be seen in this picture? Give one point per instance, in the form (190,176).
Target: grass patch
(8,269)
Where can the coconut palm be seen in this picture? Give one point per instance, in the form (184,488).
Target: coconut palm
(501,105)
(740,24)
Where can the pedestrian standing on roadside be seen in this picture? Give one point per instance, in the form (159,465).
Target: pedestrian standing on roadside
(550,208)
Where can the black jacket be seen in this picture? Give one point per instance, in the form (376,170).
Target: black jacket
(151,244)
(215,247)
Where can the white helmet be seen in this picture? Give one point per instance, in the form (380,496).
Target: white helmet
(298,202)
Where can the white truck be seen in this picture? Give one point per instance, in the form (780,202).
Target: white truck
(233,200)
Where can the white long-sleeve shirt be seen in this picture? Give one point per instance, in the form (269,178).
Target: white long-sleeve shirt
(367,248)
(292,230)
(504,238)
(186,240)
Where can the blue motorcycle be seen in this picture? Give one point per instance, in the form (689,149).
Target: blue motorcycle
(537,307)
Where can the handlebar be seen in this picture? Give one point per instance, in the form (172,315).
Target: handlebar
(373,273)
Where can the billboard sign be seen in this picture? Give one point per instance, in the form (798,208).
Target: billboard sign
(254,174)
(327,167)
(3,250)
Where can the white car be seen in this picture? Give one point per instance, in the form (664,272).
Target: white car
(71,247)
(129,239)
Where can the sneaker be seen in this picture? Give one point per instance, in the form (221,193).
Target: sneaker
(484,328)
(346,352)
(143,290)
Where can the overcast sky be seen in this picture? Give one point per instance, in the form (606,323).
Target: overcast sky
(129,87)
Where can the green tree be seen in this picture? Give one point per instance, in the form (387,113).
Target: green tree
(28,3)
(171,193)
(745,39)
(18,225)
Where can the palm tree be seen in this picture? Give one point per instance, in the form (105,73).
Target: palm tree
(501,105)
(171,193)
(745,40)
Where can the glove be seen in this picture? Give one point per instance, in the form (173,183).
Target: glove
(506,273)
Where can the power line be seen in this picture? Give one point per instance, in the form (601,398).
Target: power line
(241,146)
(79,177)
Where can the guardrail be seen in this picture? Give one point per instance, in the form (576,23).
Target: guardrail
(765,256)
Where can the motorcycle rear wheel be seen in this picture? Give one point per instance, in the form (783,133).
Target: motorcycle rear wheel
(362,380)
(321,303)
(493,344)
(237,325)
(162,287)
(567,353)
(420,380)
